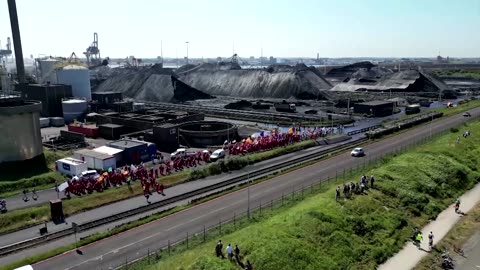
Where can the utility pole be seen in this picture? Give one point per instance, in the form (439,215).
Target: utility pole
(187,50)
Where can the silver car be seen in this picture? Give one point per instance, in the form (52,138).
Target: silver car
(357,152)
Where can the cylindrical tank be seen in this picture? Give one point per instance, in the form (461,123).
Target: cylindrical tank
(74,109)
(20,128)
(56,121)
(47,70)
(44,122)
(5,80)
(79,78)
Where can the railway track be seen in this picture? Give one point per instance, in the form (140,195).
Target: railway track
(252,176)
(238,114)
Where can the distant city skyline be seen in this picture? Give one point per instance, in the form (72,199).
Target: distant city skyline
(283,28)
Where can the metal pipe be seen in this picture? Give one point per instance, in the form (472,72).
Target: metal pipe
(17,43)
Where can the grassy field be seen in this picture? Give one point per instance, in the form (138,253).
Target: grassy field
(318,233)
(458,236)
(459,73)
(40,178)
(22,218)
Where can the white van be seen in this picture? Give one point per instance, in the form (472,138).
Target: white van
(217,154)
(181,152)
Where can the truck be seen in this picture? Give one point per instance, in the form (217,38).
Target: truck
(285,107)
(96,160)
(70,166)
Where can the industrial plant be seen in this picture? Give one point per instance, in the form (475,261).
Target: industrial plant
(200,104)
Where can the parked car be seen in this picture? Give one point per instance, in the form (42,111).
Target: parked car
(181,152)
(217,154)
(357,152)
(467,114)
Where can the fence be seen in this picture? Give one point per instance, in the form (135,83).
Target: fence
(234,222)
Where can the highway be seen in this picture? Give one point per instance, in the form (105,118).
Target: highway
(114,251)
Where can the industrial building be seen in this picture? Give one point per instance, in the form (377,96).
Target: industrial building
(126,123)
(134,152)
(96,160)
(113,101)
(375,108)
(51,96)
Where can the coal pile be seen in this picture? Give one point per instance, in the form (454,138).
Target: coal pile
(404,81)
(280,81)
(153,83)
(344,72)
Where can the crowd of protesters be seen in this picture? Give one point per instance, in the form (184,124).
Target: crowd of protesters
(355,188)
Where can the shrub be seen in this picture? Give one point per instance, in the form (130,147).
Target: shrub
(453,130)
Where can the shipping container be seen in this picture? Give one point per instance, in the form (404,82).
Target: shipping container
(71,166)
(89,130)
(117,153)
(96,160)
(111,131)
(134,152)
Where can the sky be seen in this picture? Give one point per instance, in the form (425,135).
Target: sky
(283,28)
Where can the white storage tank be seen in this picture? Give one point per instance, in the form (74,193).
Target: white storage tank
(57,121)
(74,109)
(47,70)
(79,78)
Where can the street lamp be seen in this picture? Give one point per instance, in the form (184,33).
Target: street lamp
(187,50)
(248,192)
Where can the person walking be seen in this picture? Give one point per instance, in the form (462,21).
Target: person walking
(430,241)
(248,266)
(419,239)
(457,206)
(372,180)
(218,249)
(237,253)
(337,193)
(229,250)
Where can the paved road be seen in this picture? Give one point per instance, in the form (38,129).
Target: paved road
(132,244)
(137,201)
(471,260)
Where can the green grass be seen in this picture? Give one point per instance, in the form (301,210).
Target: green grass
(22,218)
(459,73)
(318,233)
(40,178)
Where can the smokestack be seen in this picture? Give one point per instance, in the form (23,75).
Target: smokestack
(17,43)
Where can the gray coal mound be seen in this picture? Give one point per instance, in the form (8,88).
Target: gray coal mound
(272,82)
(184,92)
(149,84)
(404,81)
(348,70)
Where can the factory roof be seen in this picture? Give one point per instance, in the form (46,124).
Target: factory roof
(376,103)
(111,126)
(91,153)
(105,93)
(71,161)
(123,144)
(108,150)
